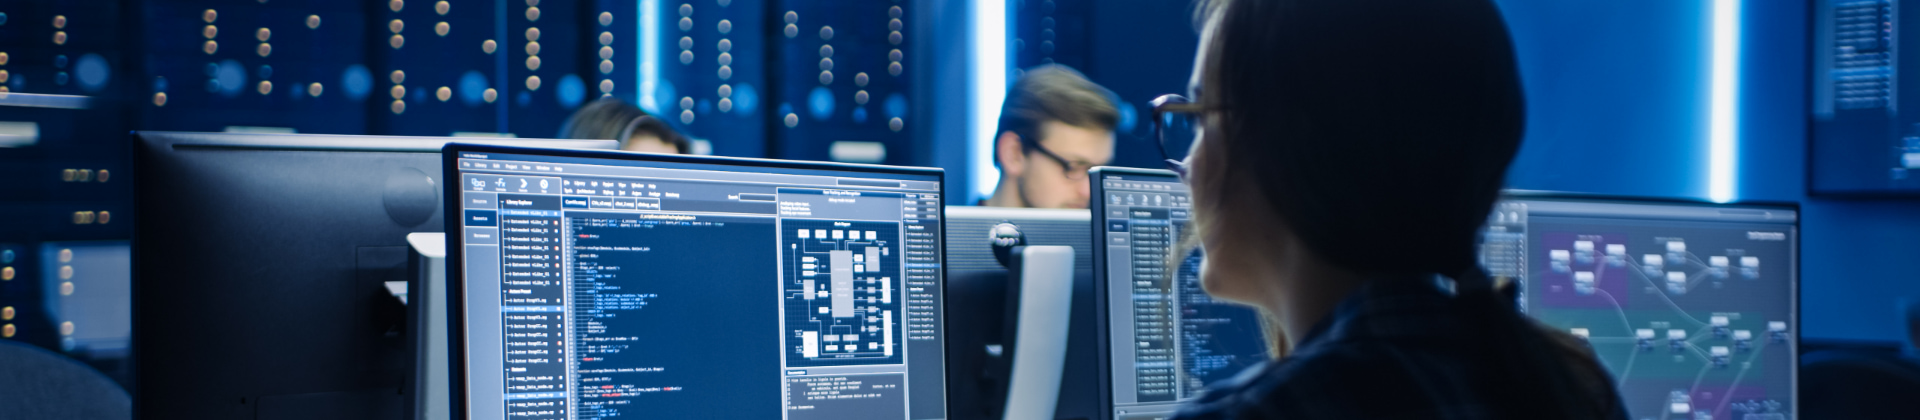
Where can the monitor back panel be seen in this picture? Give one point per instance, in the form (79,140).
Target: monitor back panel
(592,285)
(976,281)
(258,270)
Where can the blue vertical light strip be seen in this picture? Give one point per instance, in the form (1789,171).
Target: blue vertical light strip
(649,54)
(990,68)
(1723,145)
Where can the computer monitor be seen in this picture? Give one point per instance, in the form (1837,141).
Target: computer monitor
(259,264)
(1692,307)
(1163,338)
(609,284)
(1863,139)
(979,365)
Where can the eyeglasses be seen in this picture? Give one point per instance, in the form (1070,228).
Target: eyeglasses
(1074,170)
(1176,125)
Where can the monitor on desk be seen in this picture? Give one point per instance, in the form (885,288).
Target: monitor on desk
(1692,307)
(606,284)
(979,364)
(259,264)
(1164,338)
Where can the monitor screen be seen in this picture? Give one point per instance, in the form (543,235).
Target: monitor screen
(1691,307)
(595,285)
(1166,338)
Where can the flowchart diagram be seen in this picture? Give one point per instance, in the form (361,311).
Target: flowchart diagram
(842,290)
(1693,323)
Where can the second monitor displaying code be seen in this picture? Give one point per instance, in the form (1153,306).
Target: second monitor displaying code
(609,288)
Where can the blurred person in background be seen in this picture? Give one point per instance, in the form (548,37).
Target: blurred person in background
(1330,134)
(1054,125)
(610,118)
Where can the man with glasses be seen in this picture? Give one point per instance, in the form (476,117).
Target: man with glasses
(1054,125)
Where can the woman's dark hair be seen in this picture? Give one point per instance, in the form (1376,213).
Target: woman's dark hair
(610,118)
(1369,122)
(1380,131)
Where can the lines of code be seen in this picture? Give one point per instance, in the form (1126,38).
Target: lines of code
(1217,339)
(844,397)
(632,290)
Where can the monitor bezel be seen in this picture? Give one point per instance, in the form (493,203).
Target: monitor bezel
(456,251)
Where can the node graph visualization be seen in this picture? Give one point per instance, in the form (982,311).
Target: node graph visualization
(1693,320)
(842,287)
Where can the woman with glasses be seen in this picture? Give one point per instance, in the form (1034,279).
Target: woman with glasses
(1343,155)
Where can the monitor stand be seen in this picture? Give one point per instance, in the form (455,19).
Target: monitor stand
(1040,296)
(427,321)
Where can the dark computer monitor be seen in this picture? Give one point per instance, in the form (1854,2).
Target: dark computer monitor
(1692,307)
(978,356)
(609,284)
(1863,137)
(1163,338)
(259,270)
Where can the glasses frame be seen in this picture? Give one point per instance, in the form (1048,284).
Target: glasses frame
(1065,166)
(1171,104)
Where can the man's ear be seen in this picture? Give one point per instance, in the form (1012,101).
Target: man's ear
(1012,156)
